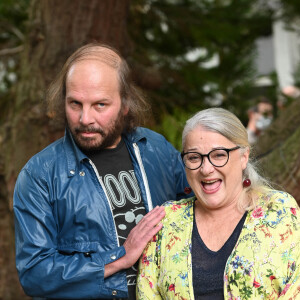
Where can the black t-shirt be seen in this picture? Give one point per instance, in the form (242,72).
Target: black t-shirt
(116,172)
(208,266)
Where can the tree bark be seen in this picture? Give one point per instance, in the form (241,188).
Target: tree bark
(55,29)
(278,150)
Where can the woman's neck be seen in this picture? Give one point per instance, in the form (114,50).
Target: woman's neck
(216,226)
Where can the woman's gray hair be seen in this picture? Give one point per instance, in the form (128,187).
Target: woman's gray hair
(224,122)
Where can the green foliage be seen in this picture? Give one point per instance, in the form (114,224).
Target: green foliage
(13,14)
(290,10)
(202,53)
(297,75)
(172,125)
(203,50)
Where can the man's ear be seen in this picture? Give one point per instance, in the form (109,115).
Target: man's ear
(125,110)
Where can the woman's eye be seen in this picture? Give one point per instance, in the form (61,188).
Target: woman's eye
(218,154)
(193,158)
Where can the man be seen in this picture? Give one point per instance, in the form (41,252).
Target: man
(260,117)
(86,206)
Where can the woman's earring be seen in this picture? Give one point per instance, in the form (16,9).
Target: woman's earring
(246,183)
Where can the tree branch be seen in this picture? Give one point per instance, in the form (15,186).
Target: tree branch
(11,51)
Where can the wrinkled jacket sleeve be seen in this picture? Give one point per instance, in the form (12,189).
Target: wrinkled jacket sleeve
(147,279)
(43,270)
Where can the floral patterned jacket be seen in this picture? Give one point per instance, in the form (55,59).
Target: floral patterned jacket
(264,264)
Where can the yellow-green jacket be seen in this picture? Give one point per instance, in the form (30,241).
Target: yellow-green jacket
(264,264)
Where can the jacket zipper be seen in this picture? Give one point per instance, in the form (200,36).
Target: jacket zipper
(103,187)
(145,180)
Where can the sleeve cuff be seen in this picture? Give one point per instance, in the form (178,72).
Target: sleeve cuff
(110,256)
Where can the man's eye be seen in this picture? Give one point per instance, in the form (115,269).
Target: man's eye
(74,103)
(100,105)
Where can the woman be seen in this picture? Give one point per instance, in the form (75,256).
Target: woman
(237,238)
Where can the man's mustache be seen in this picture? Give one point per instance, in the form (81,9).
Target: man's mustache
(81,129)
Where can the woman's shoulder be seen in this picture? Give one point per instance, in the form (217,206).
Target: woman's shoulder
(277,208)
(279,198)
(179,204)
(179,209)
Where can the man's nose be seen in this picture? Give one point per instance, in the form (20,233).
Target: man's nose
(86,117)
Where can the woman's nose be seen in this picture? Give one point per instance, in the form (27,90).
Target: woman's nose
(206,167)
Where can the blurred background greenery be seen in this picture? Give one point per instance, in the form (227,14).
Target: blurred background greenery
(192,54)
(186,55)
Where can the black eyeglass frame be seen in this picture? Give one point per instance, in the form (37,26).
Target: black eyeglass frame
(207,155)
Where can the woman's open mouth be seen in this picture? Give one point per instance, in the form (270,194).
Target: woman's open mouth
(211,186)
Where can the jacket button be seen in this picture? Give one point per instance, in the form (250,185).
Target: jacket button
(72,172)
(113,257)
(81,173)
(114,293)
(87,254)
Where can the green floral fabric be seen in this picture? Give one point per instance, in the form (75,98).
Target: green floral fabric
(264,263)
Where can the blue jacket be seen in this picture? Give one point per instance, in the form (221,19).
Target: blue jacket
(65,233)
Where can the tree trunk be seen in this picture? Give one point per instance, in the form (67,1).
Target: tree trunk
(279,150)
(55,29)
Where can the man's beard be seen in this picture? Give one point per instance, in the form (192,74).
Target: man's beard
(90,145)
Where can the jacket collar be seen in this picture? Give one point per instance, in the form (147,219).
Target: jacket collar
(135,136)
(74,156)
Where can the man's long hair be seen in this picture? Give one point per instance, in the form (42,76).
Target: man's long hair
(131,96)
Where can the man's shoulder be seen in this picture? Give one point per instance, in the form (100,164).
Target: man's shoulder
(146,133)
(46,156)
(151,138)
